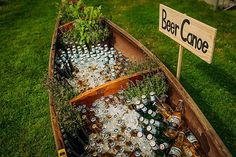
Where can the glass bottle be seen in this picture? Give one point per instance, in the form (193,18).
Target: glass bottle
(154,145)
(151,137)
(151,129)
(152,113)
(193,140)
(164,146)
(175,150)
(189,151)
(153,101)
(137,153)
(144,100)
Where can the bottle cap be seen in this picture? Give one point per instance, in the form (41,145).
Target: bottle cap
(129,129)
(84,110)
(137,153)
(152,93)
(149,136)
(93,119)
(83,117)
(149,128)
(112,144)
(139,134)
(141,119)
(151,121)
(116,130)
(94,126)
(164,146)
(94,136)
(144,97)
(150,111)
(152,143)
(141,106)
(95,154)
(99,150)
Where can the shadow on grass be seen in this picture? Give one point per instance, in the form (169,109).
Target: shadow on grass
(219,76)
(3,2)
(226,134)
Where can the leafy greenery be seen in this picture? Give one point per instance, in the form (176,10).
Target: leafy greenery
(70,11)
(26,29)
(88,27)
(153,82)
(148,64)
(66,113)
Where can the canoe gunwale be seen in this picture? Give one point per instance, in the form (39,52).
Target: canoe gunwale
(54,121)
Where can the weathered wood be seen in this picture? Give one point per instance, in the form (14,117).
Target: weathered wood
(54,121)
(180,58)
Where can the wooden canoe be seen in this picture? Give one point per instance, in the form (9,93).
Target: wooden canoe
(122,41)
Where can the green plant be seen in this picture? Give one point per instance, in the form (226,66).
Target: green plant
(147,64)
(69,118)
(88,27)
(153,82)
(70,10)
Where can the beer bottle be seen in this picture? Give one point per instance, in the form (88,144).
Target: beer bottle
(154,145)
(145,100)
(151,129)
(189,151)
(153,101)
(175,150)
(137,153)
(164,146)
(151,137)
(193,140)
(174,121)
(151,113)
(158,124)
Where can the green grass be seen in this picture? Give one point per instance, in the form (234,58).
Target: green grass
(26,29)
(25,33)
(213,86)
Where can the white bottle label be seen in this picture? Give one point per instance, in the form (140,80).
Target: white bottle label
(175,151)
(191,138)
(175,119)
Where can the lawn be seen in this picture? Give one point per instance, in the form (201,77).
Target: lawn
(26,29)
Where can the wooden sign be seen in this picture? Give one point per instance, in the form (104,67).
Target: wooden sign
(194,35)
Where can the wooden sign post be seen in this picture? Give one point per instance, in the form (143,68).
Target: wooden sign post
(191,34)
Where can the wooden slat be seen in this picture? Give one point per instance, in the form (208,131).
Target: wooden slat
(55,124)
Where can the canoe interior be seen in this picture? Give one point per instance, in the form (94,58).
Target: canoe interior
(194,118)
(131,48)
